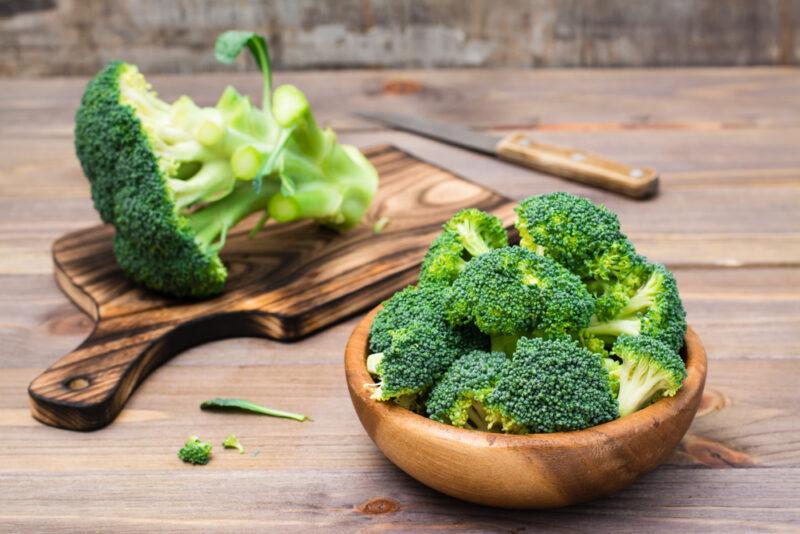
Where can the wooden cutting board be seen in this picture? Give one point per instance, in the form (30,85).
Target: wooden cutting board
(288,282)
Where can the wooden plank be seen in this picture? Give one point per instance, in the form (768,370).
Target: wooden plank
(48,37)
(598,101)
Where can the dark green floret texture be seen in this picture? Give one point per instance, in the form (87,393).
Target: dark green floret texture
(511,292)
(415,345)
(195,451)
(458,397)
(552,386)
(570,329)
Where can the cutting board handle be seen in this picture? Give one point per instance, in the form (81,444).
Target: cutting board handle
(87,388)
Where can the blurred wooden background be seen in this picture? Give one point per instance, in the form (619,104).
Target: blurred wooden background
(64,37)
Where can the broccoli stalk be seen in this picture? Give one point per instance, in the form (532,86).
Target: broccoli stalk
(649,370)
(468,234)
(654,310)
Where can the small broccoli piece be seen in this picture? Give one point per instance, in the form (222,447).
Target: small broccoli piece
(232,442)
(654,310)
(570,229)
(175,178)
(413,345)
(405,306)
(551,386)
(512,292)
(195,451)
(649,370)
(458,397)
(586,239)
(469,233)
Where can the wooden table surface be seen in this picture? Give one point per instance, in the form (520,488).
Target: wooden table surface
(727,221)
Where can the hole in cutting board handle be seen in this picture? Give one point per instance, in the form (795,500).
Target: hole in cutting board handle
(78,383)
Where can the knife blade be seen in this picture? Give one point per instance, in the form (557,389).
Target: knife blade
(572,164)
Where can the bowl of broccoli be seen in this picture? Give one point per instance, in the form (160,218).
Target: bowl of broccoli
(535,374)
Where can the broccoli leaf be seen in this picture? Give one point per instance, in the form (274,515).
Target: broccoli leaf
(247,406)
(230,44)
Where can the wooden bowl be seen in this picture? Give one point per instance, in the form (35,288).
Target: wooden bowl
(529,471)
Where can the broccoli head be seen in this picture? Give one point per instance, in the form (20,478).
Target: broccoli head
(416,349)
(551,386)
(458,397)
(195,451)
(174,178)
(572,230)
(650,370)
(654,310)
(469,233)
(512,292)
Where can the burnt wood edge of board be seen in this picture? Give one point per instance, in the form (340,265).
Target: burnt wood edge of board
(74,396)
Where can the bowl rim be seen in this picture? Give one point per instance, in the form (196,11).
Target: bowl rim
(657,413)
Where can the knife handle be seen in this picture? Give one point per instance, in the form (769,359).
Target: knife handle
(578,165)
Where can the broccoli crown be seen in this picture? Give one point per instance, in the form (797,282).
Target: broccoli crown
(175,178)
(416,343)
(650,369)
(405,306)
(195,451)
(513,292)
(469,233)
(457,397)
(572,230)
(551,386)
(654,310)
(121,133)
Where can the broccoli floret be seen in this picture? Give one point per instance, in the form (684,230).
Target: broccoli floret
(649,370)
(173,179)
(572,230)
(654,310)
(232,442)
(586,239)
(512,292)
(469,233)
(195,451)
(551,386)
(458,397)
(416,345)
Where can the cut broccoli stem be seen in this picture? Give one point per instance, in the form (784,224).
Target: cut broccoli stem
(373,363)
(213,181)
(212,221)
(643,299)
(471,238)
(642,382)
(614,328)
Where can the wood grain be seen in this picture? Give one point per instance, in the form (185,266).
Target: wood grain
(726,220)
(289,282)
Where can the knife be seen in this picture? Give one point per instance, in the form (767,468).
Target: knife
(517,147)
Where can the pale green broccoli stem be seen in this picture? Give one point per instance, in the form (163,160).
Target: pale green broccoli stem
(213,221)
(471,239)
(213,181)
(639,383)
(477,416)
(617,327)
(374,362)
(643,298)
